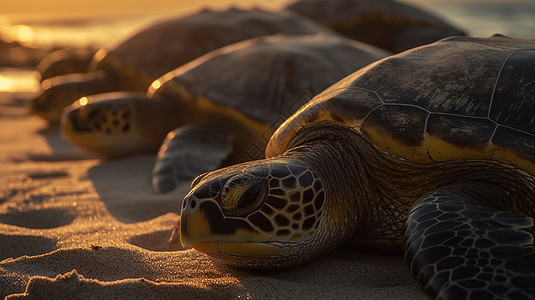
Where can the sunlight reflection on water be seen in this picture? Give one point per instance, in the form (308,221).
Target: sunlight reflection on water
(100,31)
(22,33)
(18,80)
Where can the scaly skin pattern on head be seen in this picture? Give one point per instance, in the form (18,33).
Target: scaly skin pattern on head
(366,195)
(258,215)
(314,211)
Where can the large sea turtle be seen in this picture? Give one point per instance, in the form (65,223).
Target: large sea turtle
(431,151)
(386,24)
(236,94)
(135,63)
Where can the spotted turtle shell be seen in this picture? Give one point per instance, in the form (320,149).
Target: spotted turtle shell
(458,98)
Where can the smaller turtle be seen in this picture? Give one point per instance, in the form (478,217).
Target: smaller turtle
(431,151)
(230,99)
(387,24)
(65,61)
(136,62)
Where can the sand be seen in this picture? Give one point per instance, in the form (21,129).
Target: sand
(75,227)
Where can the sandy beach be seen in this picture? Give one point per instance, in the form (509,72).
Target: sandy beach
(75,227)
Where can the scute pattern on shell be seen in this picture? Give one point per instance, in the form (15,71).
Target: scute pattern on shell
(459,98)
(291,71)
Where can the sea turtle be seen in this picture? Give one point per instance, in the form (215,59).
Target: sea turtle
(431,150)
(135,63)
(65,61)
(236,93)
(383,23)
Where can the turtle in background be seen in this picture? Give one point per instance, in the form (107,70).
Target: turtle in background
(431,151)
(223,105)
(135,63)
(65,61)
(387,24)
(16,54)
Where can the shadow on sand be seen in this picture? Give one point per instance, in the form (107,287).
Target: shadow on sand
(61,149)
(123,185)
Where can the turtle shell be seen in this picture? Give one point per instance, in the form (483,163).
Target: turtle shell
(384,23)
(459,98)
(65,61)
(267,79)
(162,47)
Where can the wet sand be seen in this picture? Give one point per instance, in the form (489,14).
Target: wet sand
(72,226)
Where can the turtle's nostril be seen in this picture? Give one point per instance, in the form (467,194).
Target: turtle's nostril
(190,203)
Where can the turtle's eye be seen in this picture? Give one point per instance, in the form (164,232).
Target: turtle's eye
(243,194)
(249,197)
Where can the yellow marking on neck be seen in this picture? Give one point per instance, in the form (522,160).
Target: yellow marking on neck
(441,150)
(208,110)
(390,144)
(507,156)
(259,128)
(286,132)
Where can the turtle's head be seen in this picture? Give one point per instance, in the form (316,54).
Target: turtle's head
(260,214)
(116,124)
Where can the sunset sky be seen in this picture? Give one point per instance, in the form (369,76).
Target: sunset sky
(99,6)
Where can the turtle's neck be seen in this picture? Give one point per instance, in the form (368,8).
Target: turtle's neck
(365,184)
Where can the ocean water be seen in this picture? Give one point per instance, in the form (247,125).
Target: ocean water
(511,18)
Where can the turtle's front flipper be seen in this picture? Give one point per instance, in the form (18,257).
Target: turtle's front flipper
(188,152)
(460,249)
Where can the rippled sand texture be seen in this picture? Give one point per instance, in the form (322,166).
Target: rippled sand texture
(75,227)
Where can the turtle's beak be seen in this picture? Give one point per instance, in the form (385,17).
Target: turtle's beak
(195,225)
(204,227)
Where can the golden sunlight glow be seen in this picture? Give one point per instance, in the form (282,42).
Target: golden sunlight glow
(105,6)
(19,81)
(156,84)
(21,33)
(83,101)
(6,84)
